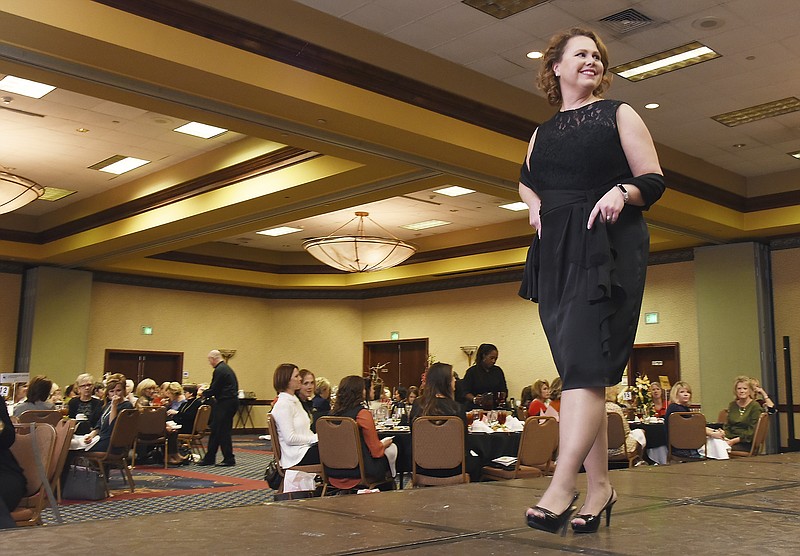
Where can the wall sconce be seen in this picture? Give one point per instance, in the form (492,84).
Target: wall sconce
(469,351)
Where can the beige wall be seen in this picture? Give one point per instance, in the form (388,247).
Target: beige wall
(10,288)
(786,287)
(326,336)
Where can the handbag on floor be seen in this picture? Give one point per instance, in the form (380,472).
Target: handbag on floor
(272,475)
(83,483)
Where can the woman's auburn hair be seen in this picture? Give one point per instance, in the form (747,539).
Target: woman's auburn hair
(350,394)
(547,80)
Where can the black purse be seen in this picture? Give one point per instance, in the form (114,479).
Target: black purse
(83,483)
(273,475)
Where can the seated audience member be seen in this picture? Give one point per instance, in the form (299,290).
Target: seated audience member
(20,392)
(322,396)
(413,392)
(146,392)
(634,440)
(540,390)
(173,398)
(129,388)
(306,392)
(116,401)
(681,396)
(38,392)
(659,400)
(84,404)
(298,444)
(12,479)
(400,397)
(186,413)
(438,399)
(70,392)
(379,455)
(56,395)
(743,414)
(555,399)
(764,400)
(99,390)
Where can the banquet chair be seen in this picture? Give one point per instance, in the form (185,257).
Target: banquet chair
(120,444)
(537,444)
(616,438)
(687,431)
(194,440)
(437,443)
(49,416)
(64,432)
(152,431)
(340,452)
(33,449)
(759,436)
(276,454)
(723,416)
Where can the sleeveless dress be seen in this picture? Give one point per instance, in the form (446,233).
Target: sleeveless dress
(588,283)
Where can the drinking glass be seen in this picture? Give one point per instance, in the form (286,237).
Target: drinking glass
(501,417)
(470,418)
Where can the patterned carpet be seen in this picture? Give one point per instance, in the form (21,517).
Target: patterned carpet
(189,487)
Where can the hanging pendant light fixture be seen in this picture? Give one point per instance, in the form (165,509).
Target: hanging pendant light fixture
(359,252)
(16,191)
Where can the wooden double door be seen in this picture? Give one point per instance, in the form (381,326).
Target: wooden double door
(161,366)
(655,361)
(402,361)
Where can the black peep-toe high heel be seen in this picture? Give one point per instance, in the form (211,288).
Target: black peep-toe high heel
(592,522)
(550,521)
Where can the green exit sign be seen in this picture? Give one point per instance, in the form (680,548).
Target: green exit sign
(147,330)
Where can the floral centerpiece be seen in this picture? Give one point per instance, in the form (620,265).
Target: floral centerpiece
(640,396)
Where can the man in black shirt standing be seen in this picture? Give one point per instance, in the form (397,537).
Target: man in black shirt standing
(225,390)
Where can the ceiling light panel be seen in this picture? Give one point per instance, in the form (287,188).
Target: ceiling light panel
(24,87)
(203,131)
(664,62)
(519,205)
(280,231)
(55,193)
(119,164)
(758,112)
(795,154)
(425,225)
(454,191)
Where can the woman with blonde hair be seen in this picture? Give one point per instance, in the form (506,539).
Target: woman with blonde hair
(146,392)
(115,402)
(743,414)
(540,390)
(85,404)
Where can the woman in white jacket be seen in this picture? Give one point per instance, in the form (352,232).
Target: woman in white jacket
(298,444)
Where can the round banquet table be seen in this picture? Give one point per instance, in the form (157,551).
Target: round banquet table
(486,446)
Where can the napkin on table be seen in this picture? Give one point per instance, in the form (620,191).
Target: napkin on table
(480,426)
(513,424)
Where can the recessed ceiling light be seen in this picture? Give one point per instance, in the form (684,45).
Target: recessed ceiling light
(279,231)
(758,112)
(670,60)
(652,105)
(25,87)
(200,130)
(82,130)
(119,164)
(519,205)
(55,193)
(795,154)
(454,191)
(739,145)
(534,55)
(425,225)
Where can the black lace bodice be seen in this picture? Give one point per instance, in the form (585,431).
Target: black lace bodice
(578,150)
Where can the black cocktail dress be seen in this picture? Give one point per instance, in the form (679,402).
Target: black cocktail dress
(588,283)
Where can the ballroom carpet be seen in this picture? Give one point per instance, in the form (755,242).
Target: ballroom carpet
(177,489)
(747,506)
